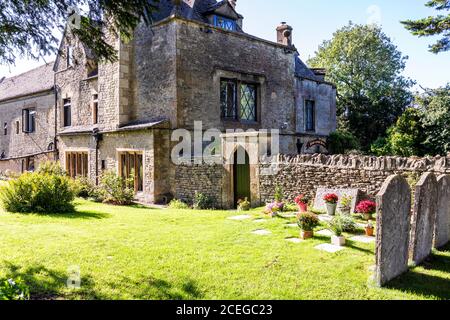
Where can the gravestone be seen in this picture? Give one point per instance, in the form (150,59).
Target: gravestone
(424,218)
(442,225)
(393,226)
(319,204)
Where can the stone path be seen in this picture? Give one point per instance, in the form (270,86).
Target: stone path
(329,248)
(260,220)
(294,240)
(363,239)
(292,225)
(325,218)
(240,218)
(325,233)
(262,232)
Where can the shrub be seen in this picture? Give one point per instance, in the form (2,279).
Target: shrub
(203,201)
(38,193)
(290,207)
(278,194)
(348,224)
(52,168)
(13,290)
(178,205)
(115,189)
(307,221)
(341,142)
(274,207)
(84,188)
(244,205)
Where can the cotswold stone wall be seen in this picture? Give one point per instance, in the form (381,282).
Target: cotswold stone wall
(305,173)
(206,179)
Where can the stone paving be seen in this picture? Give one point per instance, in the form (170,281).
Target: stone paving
(240,218)
(363,239)
(325,233)
(262,232)
(329,248)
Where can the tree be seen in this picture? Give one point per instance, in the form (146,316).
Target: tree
(27,27)
(406,138)
(436,119)
(432,26)
(341,142)
(365,66)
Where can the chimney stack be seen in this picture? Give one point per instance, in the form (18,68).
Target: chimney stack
(233,3)
(284,34)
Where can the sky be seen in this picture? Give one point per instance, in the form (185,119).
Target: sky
(316,20)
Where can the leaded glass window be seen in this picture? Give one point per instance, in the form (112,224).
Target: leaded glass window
(248,102)
(228,99)
(310,116)
(225,23)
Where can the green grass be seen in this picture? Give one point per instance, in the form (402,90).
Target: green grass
(139,253)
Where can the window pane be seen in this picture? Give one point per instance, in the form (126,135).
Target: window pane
(228,99)
(224,23)
(140,173)
(248,102)
(310,115)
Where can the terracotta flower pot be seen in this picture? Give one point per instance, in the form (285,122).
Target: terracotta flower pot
(303,207)
(331,209)
(305,235)
(370,231)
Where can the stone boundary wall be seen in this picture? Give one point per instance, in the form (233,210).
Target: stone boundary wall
(205,178)
(303,174)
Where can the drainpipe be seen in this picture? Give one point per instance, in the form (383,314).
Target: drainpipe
(55,139)
(97,138)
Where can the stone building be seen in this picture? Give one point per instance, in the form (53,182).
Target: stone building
(194,64)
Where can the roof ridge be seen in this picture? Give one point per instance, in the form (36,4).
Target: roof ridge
(28,71)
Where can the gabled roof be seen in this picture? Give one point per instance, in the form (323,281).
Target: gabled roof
(34,81)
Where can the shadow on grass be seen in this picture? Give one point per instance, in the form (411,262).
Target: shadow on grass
(83,215)
(151,288)
(47,284)
(424,284)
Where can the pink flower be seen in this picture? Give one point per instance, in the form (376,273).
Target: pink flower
(367,207)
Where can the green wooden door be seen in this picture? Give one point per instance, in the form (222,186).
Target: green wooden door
(241,179)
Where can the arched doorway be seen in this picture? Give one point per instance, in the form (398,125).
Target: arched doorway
(241,176)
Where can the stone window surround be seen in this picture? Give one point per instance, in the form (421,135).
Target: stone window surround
(29,109)
(242,76)
(119,151)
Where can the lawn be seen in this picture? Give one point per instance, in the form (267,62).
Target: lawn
(141,253)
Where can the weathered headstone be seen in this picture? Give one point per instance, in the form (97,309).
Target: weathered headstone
(393,226)
(442,225)
(424,217)
(319,204)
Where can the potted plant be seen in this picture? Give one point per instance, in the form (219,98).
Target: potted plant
(307,221)
(370,229)
(345,205)
(244,205)
(331,201)
(336,226)
(366,208)
(273,208)
(302,203)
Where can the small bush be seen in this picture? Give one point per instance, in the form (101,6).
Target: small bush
(13,290)
(307,221)
(51,168)
(84,188)
(178,205)
(244,205)
(278,196)
(38,193)
(348,224)
(336,226)
(203,202)
(342,141)
(115,190)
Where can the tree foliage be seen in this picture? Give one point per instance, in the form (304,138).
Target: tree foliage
(422,130)
(433,26)
(365,66)
(28,27)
